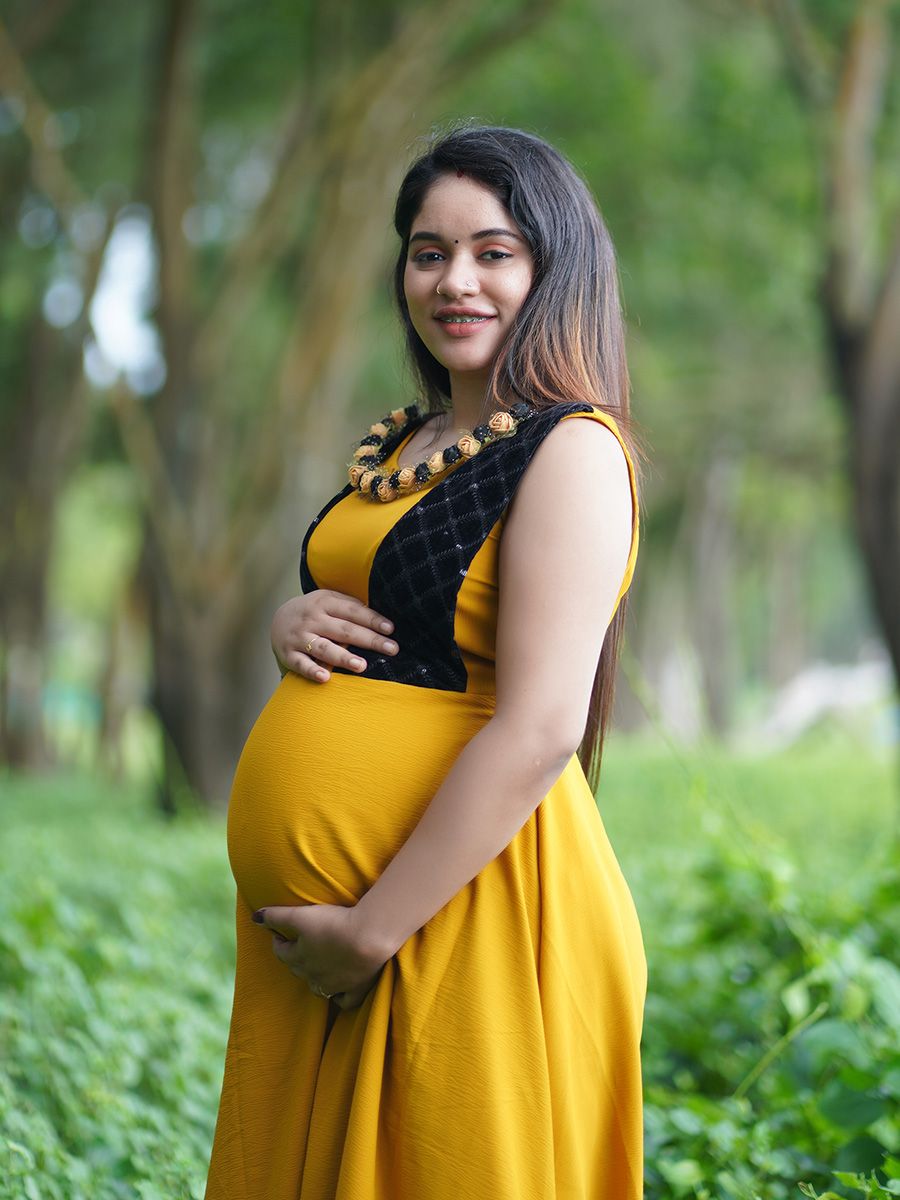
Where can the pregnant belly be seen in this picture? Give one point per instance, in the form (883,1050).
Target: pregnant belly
(332,780)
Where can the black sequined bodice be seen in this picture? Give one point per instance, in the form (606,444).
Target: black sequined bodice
(421,562)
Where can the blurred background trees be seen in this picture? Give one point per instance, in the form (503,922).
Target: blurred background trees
(196,323)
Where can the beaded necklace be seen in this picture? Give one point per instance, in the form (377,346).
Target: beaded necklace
(372,450)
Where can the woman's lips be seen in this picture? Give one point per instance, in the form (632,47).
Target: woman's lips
(463,328)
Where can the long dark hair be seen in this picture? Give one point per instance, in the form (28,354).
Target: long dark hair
(567,342)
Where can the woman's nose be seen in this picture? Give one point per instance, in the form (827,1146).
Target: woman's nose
(457,281)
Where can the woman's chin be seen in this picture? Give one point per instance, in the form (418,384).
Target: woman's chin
(463,360)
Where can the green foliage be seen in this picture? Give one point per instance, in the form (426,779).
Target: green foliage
(772,1031)
(115,975)
(769,900)
(771,1046)
(857,1183)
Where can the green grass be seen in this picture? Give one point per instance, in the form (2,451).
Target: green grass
(116,956)
(770,911)
(821,801)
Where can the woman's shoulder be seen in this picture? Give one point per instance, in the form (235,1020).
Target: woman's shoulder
(582,442)
(580,421)
(579,467)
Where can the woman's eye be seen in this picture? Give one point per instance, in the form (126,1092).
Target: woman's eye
(432,256)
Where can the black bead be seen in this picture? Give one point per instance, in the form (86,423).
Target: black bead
(451,454)
(376,479)
(520,410)
(371,439)
(394,479)
(422,472)
(367,460)
(481,432)
(412,411)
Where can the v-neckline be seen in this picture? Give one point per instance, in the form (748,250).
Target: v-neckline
(394,455)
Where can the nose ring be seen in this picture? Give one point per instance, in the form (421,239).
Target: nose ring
(469,283)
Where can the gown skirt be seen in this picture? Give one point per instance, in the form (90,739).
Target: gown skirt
(498,1055)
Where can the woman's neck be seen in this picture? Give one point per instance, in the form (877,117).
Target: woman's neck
(468,392)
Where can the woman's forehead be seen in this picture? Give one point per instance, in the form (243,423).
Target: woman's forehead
(461,208)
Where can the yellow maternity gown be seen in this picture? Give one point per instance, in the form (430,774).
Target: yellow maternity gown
(497,1057)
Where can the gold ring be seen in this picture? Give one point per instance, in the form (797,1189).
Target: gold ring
(309,645)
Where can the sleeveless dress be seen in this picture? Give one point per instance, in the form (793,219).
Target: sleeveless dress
(498,1055)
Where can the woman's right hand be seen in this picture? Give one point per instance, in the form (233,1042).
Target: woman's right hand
(331,621)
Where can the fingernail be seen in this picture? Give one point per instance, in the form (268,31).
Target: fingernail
(359,663)
(259,916)
(387,626)
(391,647)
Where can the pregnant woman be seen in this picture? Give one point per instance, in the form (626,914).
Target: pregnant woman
(440,973)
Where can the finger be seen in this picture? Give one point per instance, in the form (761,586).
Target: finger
(341,604)
(303,664)
(333,649)
(285,951)
(325,653)
(345,632)
(276,917)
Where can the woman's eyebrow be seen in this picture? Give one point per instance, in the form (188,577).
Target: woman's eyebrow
(423,236)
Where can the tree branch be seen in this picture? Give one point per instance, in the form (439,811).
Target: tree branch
(50,172)
(165,512)
(48,165)
(858,107)
(809,63)
(510,29)
(38,24)
(881,351)
(169,169)
(270,230)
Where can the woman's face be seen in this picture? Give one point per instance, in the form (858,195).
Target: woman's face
(464,242)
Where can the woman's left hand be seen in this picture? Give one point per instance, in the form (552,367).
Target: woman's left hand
(321,944)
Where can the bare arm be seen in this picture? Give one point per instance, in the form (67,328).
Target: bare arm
(563,556)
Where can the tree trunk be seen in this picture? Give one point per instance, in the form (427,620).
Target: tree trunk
(875,475)
(847,96)
(197,691)
(23,612)
(41,450)
(44,412)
